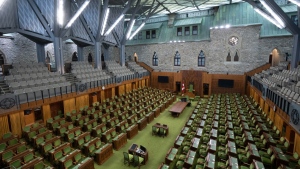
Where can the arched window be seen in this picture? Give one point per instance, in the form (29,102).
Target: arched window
(155,59)
(74,57)
(90,57)
(236,57)
(177,59)
(201,59)
(228,58)
(1,60)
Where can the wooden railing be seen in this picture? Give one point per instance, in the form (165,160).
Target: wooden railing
(144,65)
(259,69)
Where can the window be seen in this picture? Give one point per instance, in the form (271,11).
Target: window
(295,19)
(135,37)
(236,57)
(195,30)
(140,35)
(201,59)
(155,59)
(228,58)
(179,31)
(186,31)
(153,34)
(177,59)
(147,34)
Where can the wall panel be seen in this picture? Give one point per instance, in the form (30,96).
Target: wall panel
(4,125)
(82,101)
(278,122)
(297,144)
(121,89)
(239,83)
(128,88)
(69,105)
(15,123)
(46,113)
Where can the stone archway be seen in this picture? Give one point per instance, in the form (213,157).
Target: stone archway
(275,57)
(135,56)
(2,61)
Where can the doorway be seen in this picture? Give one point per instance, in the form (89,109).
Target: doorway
(274,57)
(178,87)
(205,89)
(292,139)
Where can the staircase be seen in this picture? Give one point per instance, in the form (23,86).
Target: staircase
(4,88)
(70,77)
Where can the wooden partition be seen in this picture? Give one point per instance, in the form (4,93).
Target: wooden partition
(128,87)
(69,105)
(173,78)
(121,89)
(4,125)
(82,101)
(46,113)
(29,118)
(16,123)
(278,122)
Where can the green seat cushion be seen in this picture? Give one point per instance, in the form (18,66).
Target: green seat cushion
(201,161)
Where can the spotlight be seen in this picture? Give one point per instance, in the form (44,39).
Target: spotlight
(227,26)
(216,27)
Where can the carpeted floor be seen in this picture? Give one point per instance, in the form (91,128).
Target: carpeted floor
(157,147)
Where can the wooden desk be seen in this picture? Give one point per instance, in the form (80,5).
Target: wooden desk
(210,161)
(233,163)
(119,141)
(178,108)
(230,135)
(104,153)
(157,125)
(263,128)
(214,133)
(258,164)
(132,131)
(245,126)
(150,116)
(254,155)
(31,163)
(134,149)
(199,132)
(195,143)
(269,139)
(280,156)
(229,125)
(248,136)
(212,146)
(86,163)
(202,124)
(184,131)
(231,148)
(142,123)
(178,141)
(171,155)
(189,159)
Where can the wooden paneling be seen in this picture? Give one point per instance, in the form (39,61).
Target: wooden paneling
(193,77)
(4,125)
(278,122)
(128,87)
(108,93)
(261,103)
(297,144)
(55,107)
(15,123)
(266,108)
(46,113)
(121,89)
(29,118)
(82,101)
(272,114)
(102,96)
(173,78)
(239,83)
(113,92)
(69,105)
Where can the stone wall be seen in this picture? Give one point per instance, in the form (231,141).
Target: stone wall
(252,50)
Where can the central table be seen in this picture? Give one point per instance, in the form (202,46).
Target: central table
(134,149)
(178,108)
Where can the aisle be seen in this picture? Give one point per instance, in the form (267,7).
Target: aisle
(157,146)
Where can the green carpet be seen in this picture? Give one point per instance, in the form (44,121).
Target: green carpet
(157,147)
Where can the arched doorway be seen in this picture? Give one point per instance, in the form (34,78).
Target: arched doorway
(274,57)
(2,61)
(135,56)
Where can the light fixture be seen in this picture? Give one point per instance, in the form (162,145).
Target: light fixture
(277,18)
(171,41)
(137,30)
(80,10)
(269,18)
(114,25)
(211,28)
(222,27)
(183,41)
(175,41)
(295,2)
(1,2)
(216,27)
(227,26)
(130,28)
(179,41)
(105,21)
(60,12)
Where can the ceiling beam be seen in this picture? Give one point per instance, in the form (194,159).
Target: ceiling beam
(38,38)
(102,10)
(87,29)
(41,18)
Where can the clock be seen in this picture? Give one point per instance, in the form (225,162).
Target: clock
(233,40)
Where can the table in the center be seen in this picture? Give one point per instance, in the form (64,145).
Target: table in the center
(178,108)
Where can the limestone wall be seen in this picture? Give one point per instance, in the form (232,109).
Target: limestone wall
(252,50)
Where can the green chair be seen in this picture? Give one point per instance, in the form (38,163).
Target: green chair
(13,142)
(2,147)
(28,157)
(80,143)
(57,143)
(179,164)
(66,150)
(47,148)
(137,161)
(77,133)
(285,146)
(87,138)
(98,144)
(266,154)
(40,165)
(42,130)
(268,162)
(128,158)
(58,155)
(21,149)
(222,165)
(7,155)
(78,158)
(92,150)
(70,137)
(113,134)
(281,141)
(7,135)
(68,164)
(244,158)
(16,164)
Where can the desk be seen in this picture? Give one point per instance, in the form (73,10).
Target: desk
(229,118)
(202,124)
(252,147)
(178,108)
(178,141)
(157,125)
(184,131)
(189,159)
(258,164)
(132,131)
(280,156)
(142,123)
(270,140)
(212,146)
(134,149)
(104,153)
(254,155)
(119,141)
(199,132)
(210,161)
(86,163)
(195,143)
(214,133)
(248,136)
(231,148)
(215,125)
(171,155)
(229,125)
(233,163)
(263,128)
(230,135)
